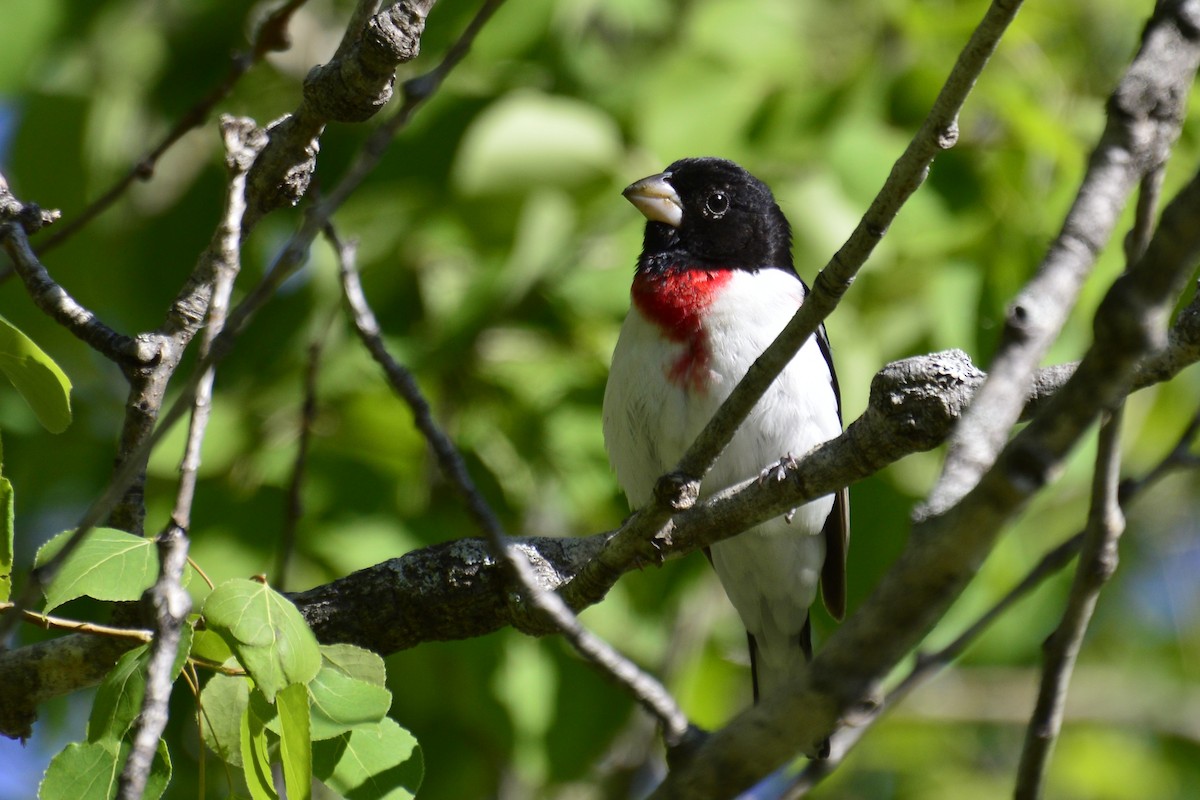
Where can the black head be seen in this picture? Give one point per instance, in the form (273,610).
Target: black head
(709,212)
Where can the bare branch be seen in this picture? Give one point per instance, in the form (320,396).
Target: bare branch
(455,590)
(651,694)
(1145,114)
(352,87)
(945,550)
(16,220)
(939,132)
(1097,562)
(171,604)
(243,142)
(168,598)
(1098,559)
(929,665)
(163,350)
(38,672)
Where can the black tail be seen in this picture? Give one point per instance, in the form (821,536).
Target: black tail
(803,640)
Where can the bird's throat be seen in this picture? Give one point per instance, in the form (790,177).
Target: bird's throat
(675,300)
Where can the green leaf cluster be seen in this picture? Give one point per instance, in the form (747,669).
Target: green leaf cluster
(320,712)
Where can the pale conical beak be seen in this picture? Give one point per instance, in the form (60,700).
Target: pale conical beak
(656,199)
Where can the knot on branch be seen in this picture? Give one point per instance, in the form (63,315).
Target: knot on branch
(30,216)
(922,397)
(283,170)
(677,491)
(396,31)
(244,140)
(355,85)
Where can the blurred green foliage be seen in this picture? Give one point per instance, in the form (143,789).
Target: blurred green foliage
(496,250)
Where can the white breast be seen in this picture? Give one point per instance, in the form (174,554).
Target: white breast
(770,572)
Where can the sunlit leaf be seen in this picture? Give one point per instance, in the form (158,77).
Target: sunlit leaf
(44,386)
(91,770)
(223,704)
(295,741)
(271,640)
(382,762)
(107,565)
(6,534)
(119,697)
(256,766)
(341,703)
(355,662)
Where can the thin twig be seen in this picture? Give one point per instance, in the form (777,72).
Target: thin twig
(1097,562)
(271,37)
(294,505)
(243,141)
(939,132)
(945,549)
(171,602)
(51,623)
(928,665)
(1146,112)
(679,489)
(651,694)
(1098,559)
(56,303)
(290,258)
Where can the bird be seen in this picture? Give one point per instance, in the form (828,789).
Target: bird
(713,286)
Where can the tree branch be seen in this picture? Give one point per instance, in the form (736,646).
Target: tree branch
(352,87)
(18,219)
(170,601)
(928,665)
(454,590)
(1145,114)
(946,549)
(938,132)
(1097,562)
(644,688)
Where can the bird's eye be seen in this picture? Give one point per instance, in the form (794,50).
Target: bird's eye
(716,205)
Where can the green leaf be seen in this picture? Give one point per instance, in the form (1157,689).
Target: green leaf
(6,535)
(160,773)
(223,703)
(355,662)
(90,771)
(107,565)
(256,766)
(82,771)
(209,646)
(44,386)
(271,640)
(119,697)
(295,741)
(382,761)
(341,703)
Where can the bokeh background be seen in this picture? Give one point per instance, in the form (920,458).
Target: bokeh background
(497,252)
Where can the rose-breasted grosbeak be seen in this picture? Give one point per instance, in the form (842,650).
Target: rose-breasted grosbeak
(714,285)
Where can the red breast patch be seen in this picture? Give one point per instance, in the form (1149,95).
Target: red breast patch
(675,301)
